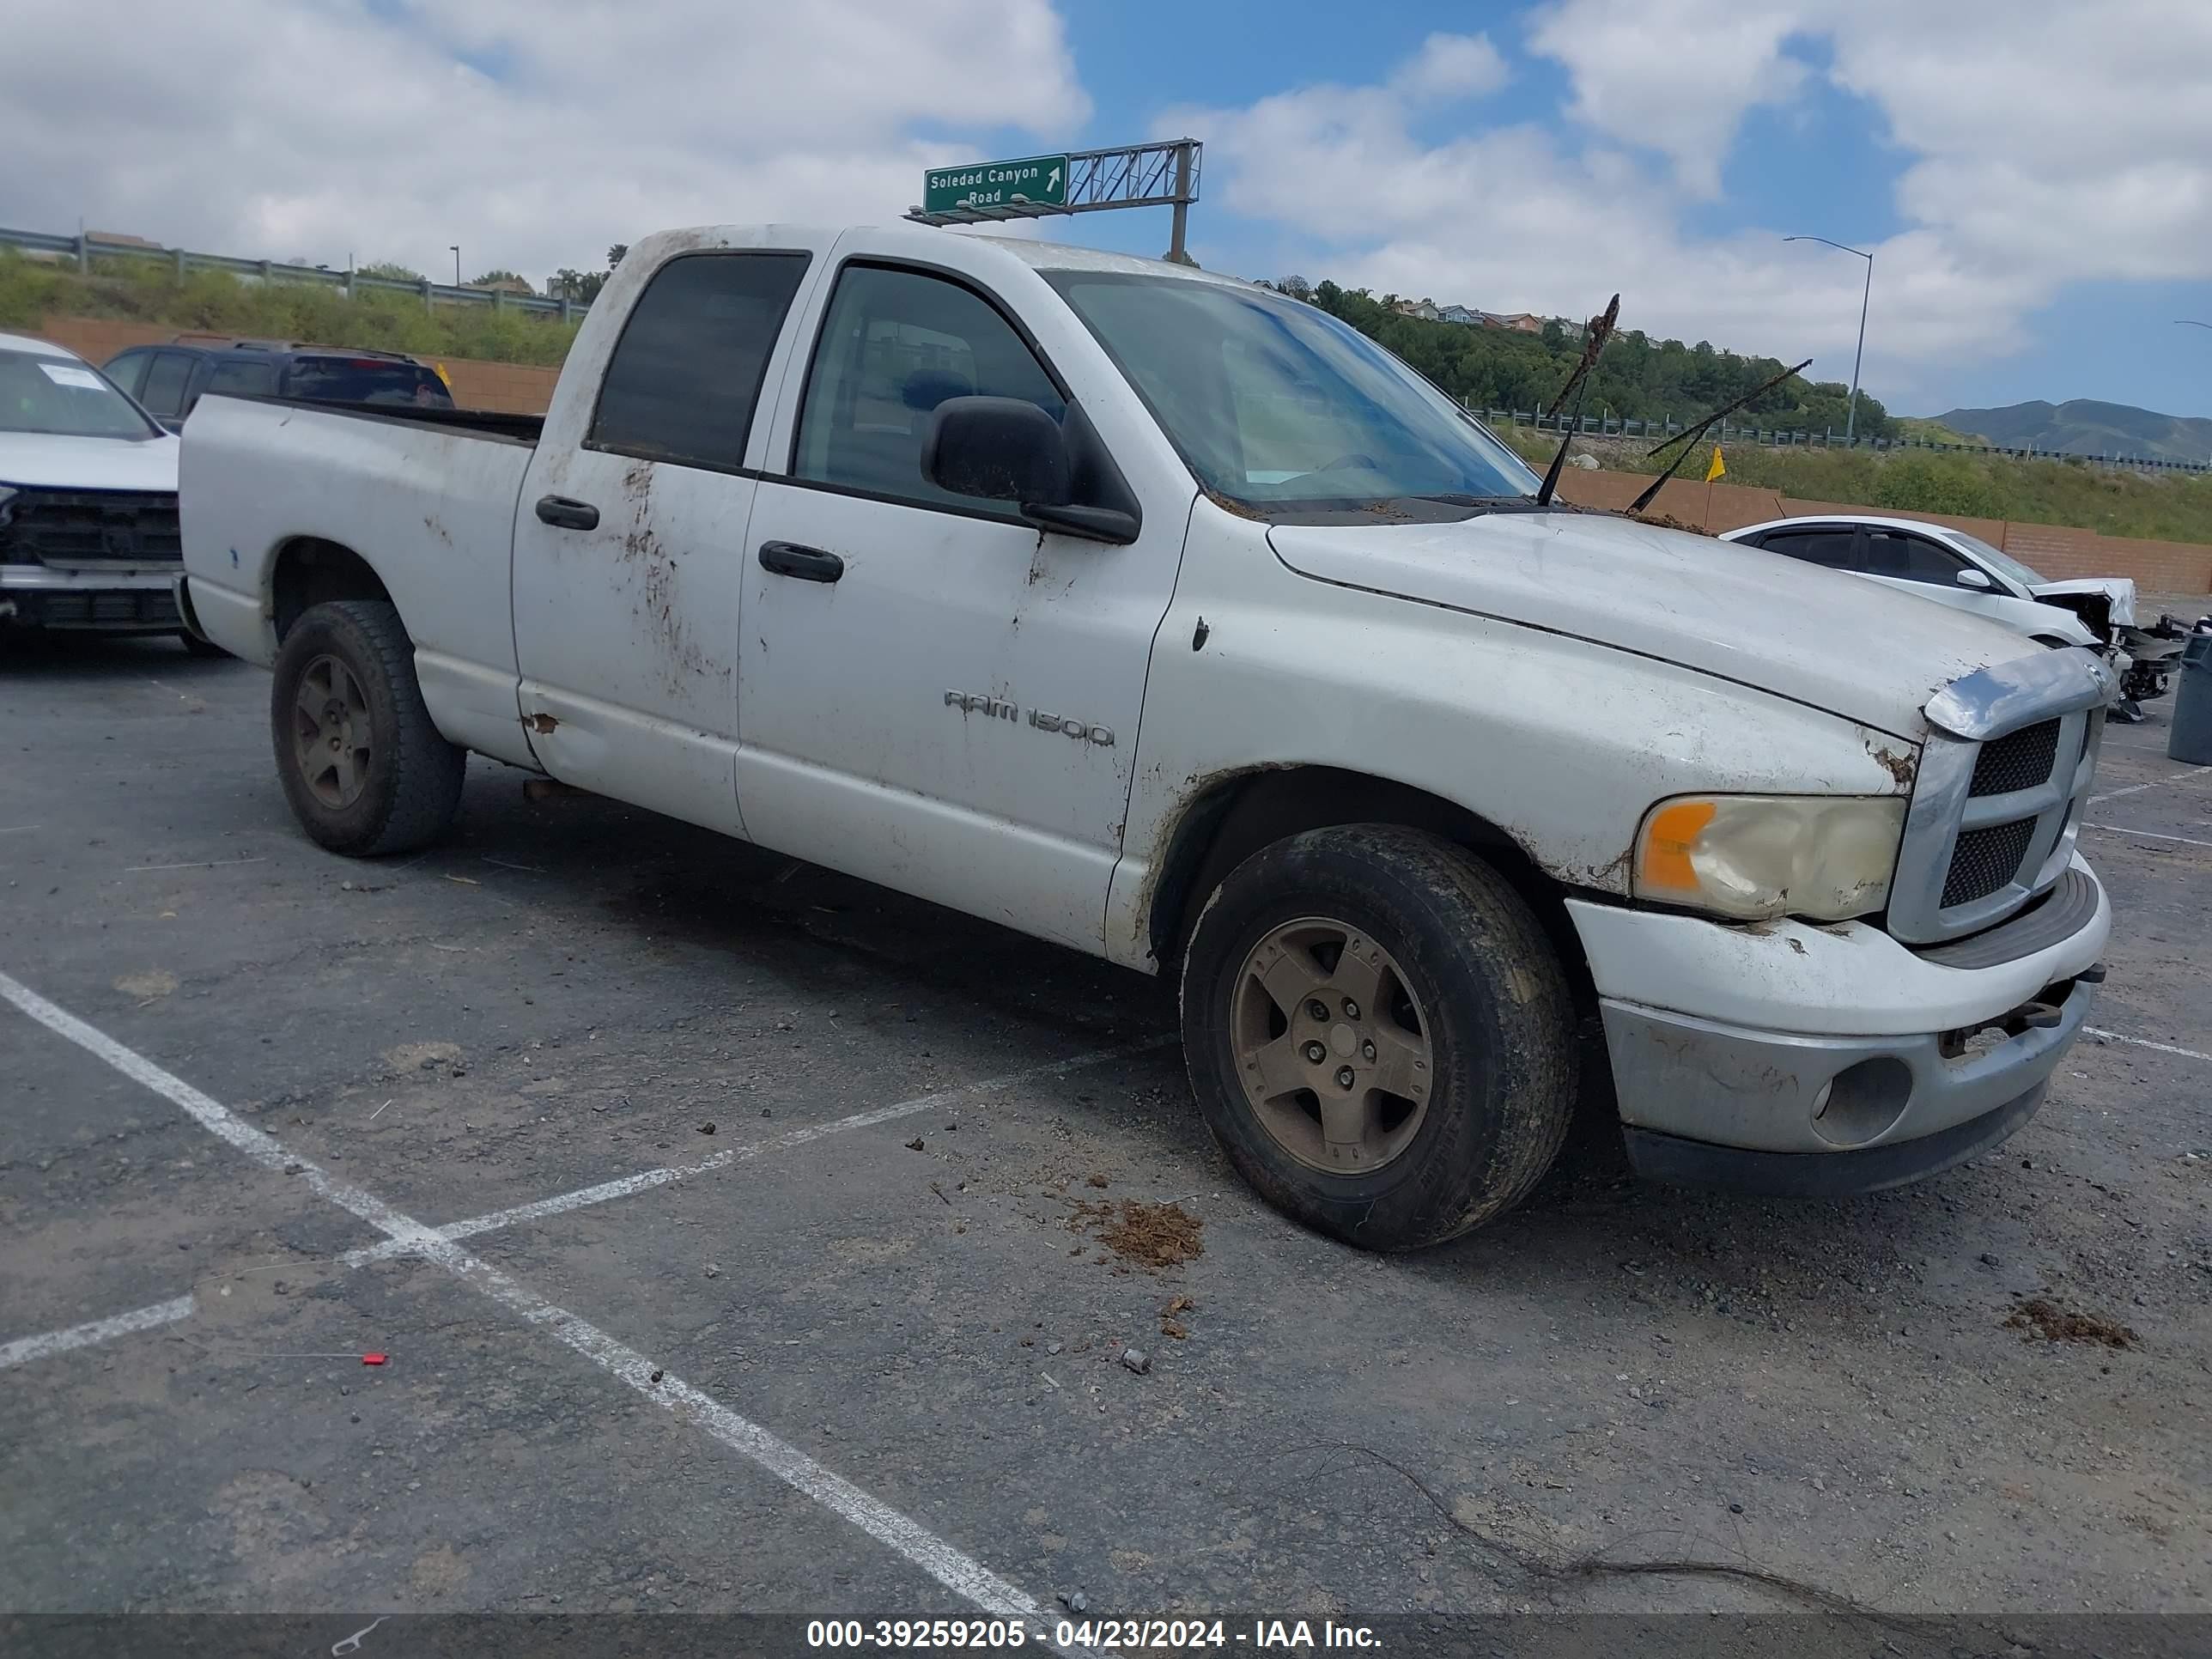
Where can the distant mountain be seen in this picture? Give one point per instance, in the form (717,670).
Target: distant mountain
(2086,426)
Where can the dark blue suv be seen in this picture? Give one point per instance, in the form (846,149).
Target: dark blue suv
(168,379)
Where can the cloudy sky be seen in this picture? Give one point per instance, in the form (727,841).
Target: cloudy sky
(2034,177)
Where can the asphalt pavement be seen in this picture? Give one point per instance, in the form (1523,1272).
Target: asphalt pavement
(739,1237)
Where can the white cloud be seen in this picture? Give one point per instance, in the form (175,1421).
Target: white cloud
(1453,66)
(1677,75)
(291,127)
(2041,143)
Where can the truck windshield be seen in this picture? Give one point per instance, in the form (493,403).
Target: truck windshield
(1279,407)
(61,396)
(367,380)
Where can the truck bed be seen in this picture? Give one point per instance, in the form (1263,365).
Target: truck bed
(478,423)
(426,496)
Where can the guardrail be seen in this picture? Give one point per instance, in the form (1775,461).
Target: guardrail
(83,250)
(1769,438)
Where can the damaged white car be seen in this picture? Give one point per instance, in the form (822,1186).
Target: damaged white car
(1955,568)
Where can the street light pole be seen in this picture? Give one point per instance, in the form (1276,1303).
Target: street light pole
(1851,415)
(455,251)
(2191,322)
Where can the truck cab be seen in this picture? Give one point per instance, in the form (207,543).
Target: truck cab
(1155,614)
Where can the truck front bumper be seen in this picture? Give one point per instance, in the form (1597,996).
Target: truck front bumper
(123,600)
(1825,1059)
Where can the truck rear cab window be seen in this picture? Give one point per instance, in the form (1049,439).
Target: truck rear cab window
(686,374)
(1834,547)
(895,345)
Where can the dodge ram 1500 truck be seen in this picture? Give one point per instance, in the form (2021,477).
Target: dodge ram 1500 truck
(1161,615)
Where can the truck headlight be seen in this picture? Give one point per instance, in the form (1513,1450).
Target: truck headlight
(1756,857)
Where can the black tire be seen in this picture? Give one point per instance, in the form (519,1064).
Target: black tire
(1499,1021)
(195,647)
(411,787)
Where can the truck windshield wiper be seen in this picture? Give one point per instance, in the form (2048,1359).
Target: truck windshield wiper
(1690,435)
(1600,330)
(1497,503)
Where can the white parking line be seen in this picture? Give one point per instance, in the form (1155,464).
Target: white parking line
(2147,834)
(645,1180)
(199,863)
(2137,788)
(2144,1043)
(945,1562)
(25,1349)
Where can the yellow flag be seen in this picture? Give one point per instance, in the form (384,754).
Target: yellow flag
(1718,469)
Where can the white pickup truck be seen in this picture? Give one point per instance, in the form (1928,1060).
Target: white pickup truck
(1160,616)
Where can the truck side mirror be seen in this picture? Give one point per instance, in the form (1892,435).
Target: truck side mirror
(999,448)
(1970,577)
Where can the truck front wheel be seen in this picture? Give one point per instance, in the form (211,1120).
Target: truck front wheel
(364,768)
(1379,1033)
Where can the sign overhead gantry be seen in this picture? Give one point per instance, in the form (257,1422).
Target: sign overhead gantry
(1164,174)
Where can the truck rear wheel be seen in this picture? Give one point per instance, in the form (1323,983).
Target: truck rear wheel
(364,768)
(1380,1035)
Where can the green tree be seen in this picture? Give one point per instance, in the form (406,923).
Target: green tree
(616,254)
(501,276)
(579,285)
(385,268)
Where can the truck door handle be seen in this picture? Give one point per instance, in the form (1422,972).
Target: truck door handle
(568,514)
(809,564)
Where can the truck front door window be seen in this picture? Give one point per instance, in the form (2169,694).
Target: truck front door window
(686,374)
(896,344)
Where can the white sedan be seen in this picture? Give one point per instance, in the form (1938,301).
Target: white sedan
(1955,568)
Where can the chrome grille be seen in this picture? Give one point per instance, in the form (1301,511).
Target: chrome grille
(2020,760)
(2010,757)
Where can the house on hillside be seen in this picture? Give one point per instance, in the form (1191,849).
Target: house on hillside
(1521,322)
(1424,309)
(1466,316)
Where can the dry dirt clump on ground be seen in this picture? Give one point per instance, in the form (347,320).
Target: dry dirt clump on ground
(2040,1316)
(1152,1235)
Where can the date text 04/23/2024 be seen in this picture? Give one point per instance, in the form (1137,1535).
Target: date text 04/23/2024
(905,1635)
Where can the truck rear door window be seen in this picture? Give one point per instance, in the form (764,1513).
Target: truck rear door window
(896,344)
(686,374)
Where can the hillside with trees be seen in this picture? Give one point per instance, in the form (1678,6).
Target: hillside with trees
(1639,378)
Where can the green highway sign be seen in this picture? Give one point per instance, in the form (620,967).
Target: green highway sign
(1039,180)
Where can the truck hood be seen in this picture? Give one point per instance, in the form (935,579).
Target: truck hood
(2119,591)
(45,460)
(1822,637)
